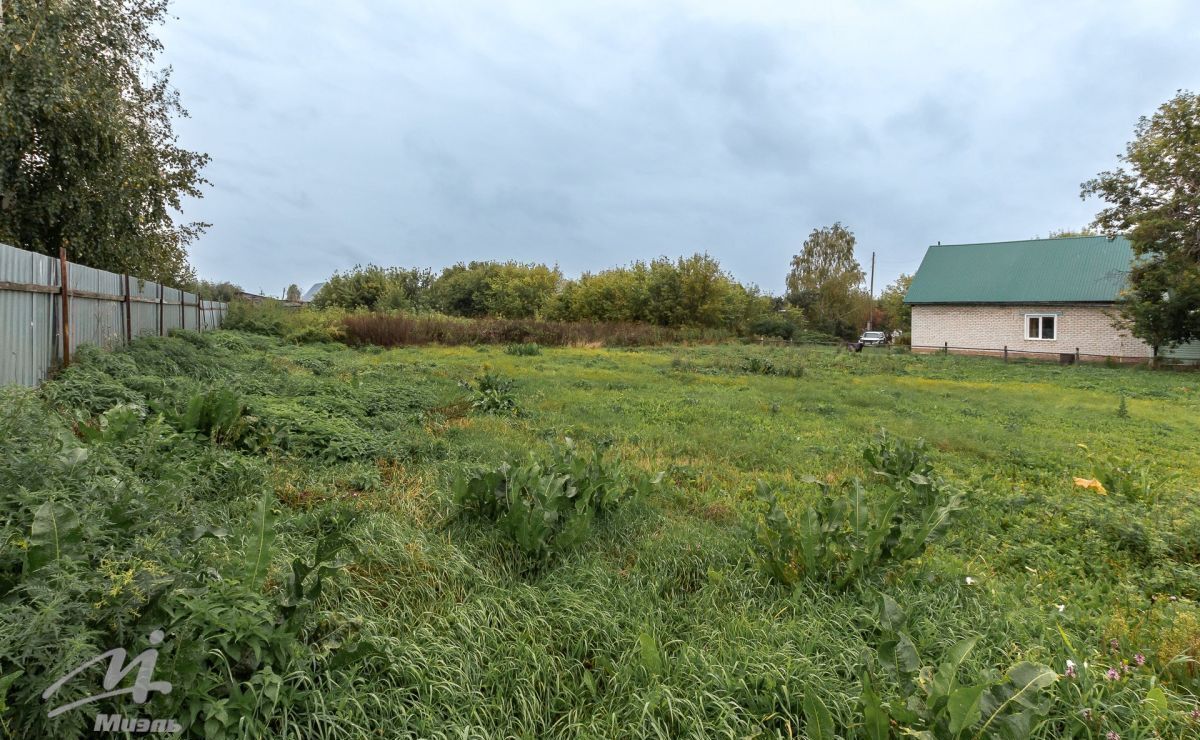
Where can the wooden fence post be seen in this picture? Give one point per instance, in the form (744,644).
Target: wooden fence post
(128,314)
(1006,353)
(946,348)
(65,291)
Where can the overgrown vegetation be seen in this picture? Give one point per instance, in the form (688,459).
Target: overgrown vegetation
(853,529)
(526,349)
(279,511)
(400,330)
(489,393)
(548,506)
(932,700)
(689,295)
(691,291)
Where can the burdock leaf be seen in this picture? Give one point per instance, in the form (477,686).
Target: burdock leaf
(651,658)
(964,707)
(817,719)
(258,554)
(55,529)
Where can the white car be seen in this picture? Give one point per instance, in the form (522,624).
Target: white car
(873,339)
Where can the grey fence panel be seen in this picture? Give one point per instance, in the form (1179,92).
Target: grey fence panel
(97,321)
(191,311)
(212,315)
(144,310)
(29,339)
(172,310)
(1188,353)
(99,312)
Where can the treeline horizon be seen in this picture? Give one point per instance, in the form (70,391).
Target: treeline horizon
(692,291)
(826,292)
(686,291)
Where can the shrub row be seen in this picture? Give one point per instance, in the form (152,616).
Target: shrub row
(398,330)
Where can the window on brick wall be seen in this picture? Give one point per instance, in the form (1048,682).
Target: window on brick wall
(1041,326)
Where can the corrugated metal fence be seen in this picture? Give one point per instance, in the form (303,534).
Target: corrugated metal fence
(102,309)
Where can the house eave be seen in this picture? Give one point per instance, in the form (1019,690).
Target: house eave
(1012,303)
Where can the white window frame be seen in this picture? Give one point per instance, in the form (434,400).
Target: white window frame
(1039,316)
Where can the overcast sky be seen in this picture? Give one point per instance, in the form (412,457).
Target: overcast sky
(591,134)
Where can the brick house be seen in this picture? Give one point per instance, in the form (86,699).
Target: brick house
(1035,298)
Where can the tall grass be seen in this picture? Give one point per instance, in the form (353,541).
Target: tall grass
(278,509)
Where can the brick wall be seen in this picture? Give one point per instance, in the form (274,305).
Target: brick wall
(1088,327)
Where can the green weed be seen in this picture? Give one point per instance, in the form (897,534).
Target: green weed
(492,394)
(852,530)
(527,349)
(547,506)
(934,701)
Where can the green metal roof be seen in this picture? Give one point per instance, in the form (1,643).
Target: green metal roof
(1081,269)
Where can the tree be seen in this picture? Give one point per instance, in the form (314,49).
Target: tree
(213,291)
(826,281)
(689,291)
(519,291)
(895,313)
(376,288)
(1155,200)
(293,293)
(88,157)
(1068,233)
(618,294)
(505,289)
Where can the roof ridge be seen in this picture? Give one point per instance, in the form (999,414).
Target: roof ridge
(1026,241)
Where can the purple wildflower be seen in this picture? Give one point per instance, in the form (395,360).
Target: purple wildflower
(1112,735)
(1139,659)
(1112,674)
(1196,714)
(1070,672)
(1114,645)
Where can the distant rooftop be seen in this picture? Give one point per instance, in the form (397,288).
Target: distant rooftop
(1083,269)
(312,293)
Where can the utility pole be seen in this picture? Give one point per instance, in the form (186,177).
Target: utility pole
(871,312)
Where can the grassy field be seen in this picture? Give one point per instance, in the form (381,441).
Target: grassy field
(171,467)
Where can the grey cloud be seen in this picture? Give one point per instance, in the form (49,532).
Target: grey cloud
(592,134)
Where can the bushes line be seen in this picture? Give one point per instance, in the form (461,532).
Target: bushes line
(395,330)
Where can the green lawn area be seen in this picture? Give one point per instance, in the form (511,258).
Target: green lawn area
(661,621)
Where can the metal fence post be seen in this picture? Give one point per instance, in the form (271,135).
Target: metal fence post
(1006,353)
(128,314)
(162,329)
(65,291)
(946,348)
(1076,354)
